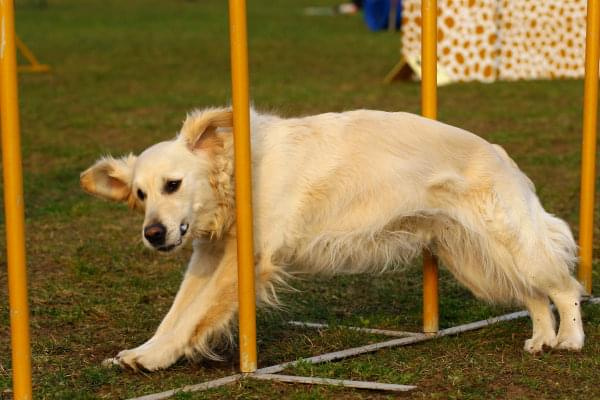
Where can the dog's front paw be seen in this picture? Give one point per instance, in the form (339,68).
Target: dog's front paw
(151,356)
(537,342)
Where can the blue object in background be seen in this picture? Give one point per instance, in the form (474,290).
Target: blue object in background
(377,13)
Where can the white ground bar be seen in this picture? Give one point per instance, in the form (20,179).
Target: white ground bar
(333,382)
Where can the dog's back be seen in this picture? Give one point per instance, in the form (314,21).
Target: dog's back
(335,183)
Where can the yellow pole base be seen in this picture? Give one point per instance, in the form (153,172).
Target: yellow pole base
(34,65)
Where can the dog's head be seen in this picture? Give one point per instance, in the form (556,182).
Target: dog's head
(183,186)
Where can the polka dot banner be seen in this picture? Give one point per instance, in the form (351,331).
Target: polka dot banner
(485,40)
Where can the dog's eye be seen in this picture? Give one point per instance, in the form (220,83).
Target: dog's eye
(141,195)
(172,186)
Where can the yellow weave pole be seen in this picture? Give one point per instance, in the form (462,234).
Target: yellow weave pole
(429,110)
(588,147)
(13,205)
(238,37)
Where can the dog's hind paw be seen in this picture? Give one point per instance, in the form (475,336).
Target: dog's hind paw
(572,343)
(536,344)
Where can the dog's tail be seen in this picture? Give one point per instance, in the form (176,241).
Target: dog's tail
(560,243)
(550,243)
(555,255)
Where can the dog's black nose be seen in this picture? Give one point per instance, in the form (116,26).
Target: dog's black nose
(155,234)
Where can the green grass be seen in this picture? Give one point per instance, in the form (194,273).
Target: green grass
(124,75)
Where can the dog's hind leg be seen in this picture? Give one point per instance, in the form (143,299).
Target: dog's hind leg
(554,254)
(564,291)
(495,273)
(543,324)
(567,301)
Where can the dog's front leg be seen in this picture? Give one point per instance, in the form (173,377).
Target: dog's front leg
(204,261)
(204,305)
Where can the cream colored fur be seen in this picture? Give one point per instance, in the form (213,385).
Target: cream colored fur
(343,193)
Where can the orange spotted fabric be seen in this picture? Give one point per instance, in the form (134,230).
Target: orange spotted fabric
(486,40)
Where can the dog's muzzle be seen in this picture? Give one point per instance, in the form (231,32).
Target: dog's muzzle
(155,234)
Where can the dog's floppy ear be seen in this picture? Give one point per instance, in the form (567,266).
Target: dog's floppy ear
(199,129)
(109,178)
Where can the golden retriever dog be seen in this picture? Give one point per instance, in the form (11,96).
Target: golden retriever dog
(349,192)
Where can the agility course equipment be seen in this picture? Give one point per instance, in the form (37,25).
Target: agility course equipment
(429,110)
(243,183)
(588,145)
(14,204)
